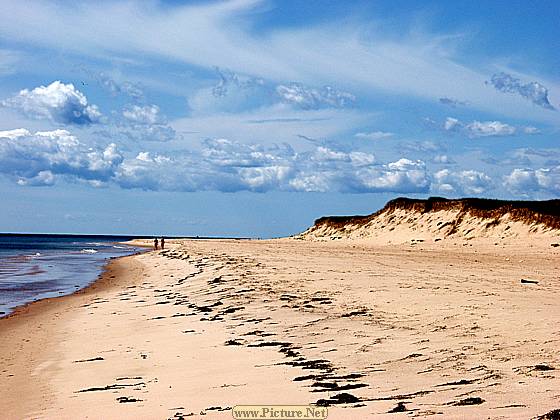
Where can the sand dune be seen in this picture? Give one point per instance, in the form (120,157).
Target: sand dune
(405,220)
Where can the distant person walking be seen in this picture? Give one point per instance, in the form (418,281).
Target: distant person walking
(162,242)
(155,243)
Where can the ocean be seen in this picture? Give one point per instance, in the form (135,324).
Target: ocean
(34,267)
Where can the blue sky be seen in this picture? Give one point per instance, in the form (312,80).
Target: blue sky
(254,117)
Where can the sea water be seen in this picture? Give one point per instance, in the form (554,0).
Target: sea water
(34,267)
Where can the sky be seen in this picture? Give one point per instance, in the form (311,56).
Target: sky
(254,117)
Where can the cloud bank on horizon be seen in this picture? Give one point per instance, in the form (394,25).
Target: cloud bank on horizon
(236,96)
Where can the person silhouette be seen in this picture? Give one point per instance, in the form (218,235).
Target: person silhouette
(155,243)
(162,241)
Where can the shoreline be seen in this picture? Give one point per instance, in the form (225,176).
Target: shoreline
(204,325)
(26,308)
(22,307)
(35,314)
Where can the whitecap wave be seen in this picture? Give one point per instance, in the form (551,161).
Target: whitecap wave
(88,251)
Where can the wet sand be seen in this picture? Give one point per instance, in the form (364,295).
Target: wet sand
(434,331)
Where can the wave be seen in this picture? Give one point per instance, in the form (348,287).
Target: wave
(89,251)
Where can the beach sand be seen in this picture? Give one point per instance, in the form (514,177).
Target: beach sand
(437,330)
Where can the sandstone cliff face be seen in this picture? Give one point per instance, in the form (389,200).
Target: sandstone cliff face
(405,220)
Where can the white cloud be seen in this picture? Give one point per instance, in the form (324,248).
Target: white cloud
(486,128)
(527,182)
(139,124)
(309,98)
(403,176)
(43,157)
(38,158)
(374,135)
(58,102)
(311,182)
(148,114)
(324,154)
(361,158)
(221,164)
(461,182)
(264,178)
(489,128)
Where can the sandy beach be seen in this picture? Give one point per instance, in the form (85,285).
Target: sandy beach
(429,330)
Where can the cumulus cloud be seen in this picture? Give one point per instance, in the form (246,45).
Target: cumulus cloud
(38,158)
(221,164)
(148,114)
(476,129)
(526,182)
(461,182)
(402,176)
(42,158)
(374,135)
(533,91)
(358,174)
(489,128)
(310,98)
(149,171)
(58,102)
(140,124)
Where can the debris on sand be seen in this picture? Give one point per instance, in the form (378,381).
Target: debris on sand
(543,367)
(233,343)
(400,408)
(128,399)
(529,281)
(469,401)
(95,359)
(343,398)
